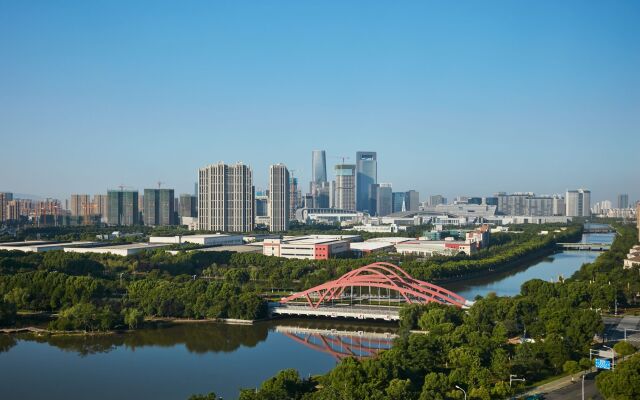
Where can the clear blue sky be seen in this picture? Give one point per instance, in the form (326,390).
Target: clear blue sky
(457,97)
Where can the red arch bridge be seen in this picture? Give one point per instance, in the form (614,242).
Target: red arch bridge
(374,291)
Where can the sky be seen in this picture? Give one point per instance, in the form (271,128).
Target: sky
(457,98)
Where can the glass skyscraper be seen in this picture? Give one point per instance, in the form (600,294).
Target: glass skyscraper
(366,175)
(318,166)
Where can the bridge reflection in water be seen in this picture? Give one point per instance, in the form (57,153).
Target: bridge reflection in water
(340,343)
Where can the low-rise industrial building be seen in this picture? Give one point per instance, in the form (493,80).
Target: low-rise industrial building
(428,248)
(39,246)
(119,250)
(217,239)
(312,247)
(242,248)
(363,248)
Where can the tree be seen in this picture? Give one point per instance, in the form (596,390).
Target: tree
(624,349)
(623,383)
(133,317)
(7,313)
(571,367)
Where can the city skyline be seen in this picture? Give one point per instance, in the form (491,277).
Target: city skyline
(534,96)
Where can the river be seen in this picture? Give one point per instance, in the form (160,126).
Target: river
(177,361)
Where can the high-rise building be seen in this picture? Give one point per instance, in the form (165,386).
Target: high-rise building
(262,205)
(294,199)
(398,202)
(159,207)
(100,206)
(12,210)
(623,200)
(5,198)
(279,198)
(638,218)
(578,203)
(345,186)
(332,194)
(437,199)
(318,166)
(226,198)
(412,200)
(528,204)
(80,205)
(366,175)
(188,206)
(123,207)
(559,207)
(384,199)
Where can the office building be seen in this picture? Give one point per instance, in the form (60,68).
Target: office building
(578,203)
(226,198)
(366,175)
(383,199)
(318,166)
(188,205)
(123,207)
(345,186)
(398,202)
(159,207)
(437,199)
(5,198)
(279,198)
(412,200)
(623,200)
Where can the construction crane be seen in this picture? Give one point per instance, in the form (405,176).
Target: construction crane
(160,183)
(342,158)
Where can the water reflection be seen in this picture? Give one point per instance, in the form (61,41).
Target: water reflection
(197,338)
(340,343)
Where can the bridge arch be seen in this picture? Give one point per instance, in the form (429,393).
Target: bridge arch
(381,275)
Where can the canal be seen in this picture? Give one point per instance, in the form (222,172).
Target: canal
(176,361)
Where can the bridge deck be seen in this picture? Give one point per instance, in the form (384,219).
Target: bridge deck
(338,311)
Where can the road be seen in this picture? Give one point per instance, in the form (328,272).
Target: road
(574,390)
(564,389)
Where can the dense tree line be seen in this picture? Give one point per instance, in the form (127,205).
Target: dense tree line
(191,284)
(558,322)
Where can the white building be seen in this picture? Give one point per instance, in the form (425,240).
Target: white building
(279,198)
(119,250)
(578,203)
(345,186)
(38,246)
(226,198)
(217,239)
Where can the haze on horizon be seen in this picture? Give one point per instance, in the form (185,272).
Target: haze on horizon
(464,98)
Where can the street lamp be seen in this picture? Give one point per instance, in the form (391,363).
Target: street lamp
(583,375)
(613,356)
(463,391)
(629,329)
(513,378)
